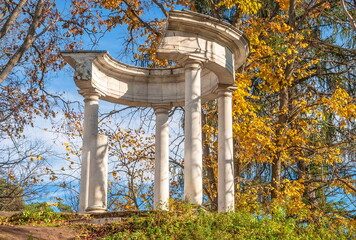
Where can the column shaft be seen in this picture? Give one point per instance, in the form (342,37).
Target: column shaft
(90,130)
(98,181)
(161,177)
(225,152)
(193,182)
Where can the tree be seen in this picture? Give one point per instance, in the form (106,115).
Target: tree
(24,172)
(293,107)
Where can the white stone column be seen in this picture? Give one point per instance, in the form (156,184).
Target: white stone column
(98,180)
(226,200)
(91,107)
(161,177)
(193,166)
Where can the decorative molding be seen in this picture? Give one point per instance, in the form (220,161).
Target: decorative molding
(90,93)
(225,90)
(161,108)
(83,70)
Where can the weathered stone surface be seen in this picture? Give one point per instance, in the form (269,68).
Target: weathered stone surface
(219,45)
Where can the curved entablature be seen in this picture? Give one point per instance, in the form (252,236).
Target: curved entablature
(117,82)
(190,37)
(220,46)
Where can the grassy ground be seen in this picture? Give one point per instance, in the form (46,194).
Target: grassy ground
(183,224)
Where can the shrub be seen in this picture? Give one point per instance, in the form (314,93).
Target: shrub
(38,213)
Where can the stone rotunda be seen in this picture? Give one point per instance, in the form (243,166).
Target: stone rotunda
(209,51)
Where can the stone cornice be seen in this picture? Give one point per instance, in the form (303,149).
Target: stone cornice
(220,31)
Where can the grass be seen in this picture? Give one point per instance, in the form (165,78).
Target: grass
(240,225)
(187,223)
(40,214)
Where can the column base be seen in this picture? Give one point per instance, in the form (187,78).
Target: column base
(163,206)
(193,200)
(95,209)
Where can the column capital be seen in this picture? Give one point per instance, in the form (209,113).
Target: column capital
(161,108)
(90,94)
(225,90)
(193,62)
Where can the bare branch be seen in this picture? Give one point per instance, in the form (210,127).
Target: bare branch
(352,21)
(12,18)
(145,24)
(309,10)
(161,7)
(30,38)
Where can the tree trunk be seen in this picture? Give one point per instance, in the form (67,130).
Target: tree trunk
(237,167)
(281,125)
(276,177)
(211,189)
(27,43)
(283,114)
(13,16)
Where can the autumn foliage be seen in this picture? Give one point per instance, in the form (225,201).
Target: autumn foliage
(293,109)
